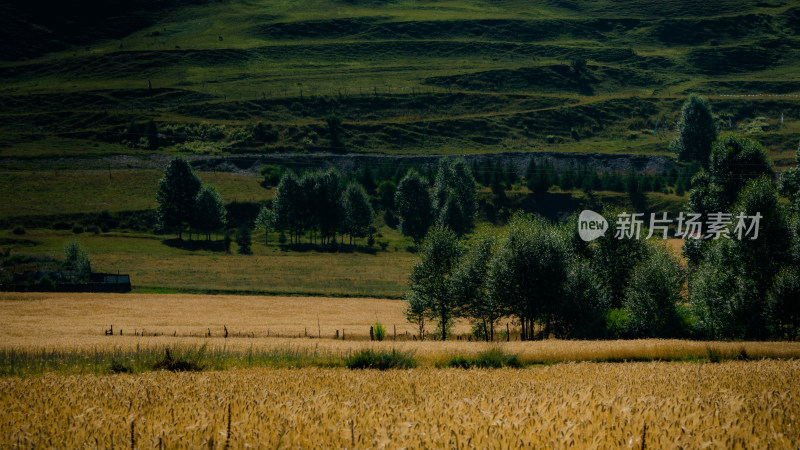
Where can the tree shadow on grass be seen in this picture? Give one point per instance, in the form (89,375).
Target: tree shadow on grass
(329,248)
(195,245)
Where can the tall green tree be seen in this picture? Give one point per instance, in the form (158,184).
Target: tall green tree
(697,131)
(386,192)
(527,271)
(653,294)
(176,195)
(358,211)
(430,276)
(210,212)
(468,287)
(289,205)
(77,259)
(413,204)
(580,313)
(328,210)
(455,195)
(783,305)
(265,221)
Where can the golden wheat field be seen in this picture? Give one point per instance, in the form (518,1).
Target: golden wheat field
(76,322)
(581,405)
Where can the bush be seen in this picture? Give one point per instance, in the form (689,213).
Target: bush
(617,323)
(176,365)
(492,359)
(93,229)
(379,331)
(370,359)
(244,240)
(61,225)
(459,362)
(19,231)
(77,229)
(118,367)
(496,359)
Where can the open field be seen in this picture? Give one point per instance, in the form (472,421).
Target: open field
(54,192)
(74,324)
(587,405)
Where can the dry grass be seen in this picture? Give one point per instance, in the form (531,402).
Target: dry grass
(75,322)
(583,405)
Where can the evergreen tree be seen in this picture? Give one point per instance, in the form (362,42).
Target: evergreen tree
(358,212)
(210,213)
(413,204)
(176,195)
(697,131)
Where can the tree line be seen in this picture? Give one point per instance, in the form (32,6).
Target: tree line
(552,283)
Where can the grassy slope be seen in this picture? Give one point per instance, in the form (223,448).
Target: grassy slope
(391,69)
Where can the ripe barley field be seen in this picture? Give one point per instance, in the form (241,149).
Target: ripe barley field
(580,405)
(72,325)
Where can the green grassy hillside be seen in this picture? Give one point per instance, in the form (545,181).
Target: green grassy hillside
(463,76)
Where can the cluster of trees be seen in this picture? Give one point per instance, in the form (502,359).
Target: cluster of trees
(185,204)
(554,284)
(551,282)
(452,202)
(320,204)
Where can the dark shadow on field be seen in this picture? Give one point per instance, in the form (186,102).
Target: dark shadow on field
(329,248)
(194,245)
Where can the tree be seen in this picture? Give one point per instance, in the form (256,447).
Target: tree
(78,260)
(468,287)
(244,240)
(265,221)
(614,259)
(736,275)
(326,199)
(580,312)
(734,162)
(697,131)
(176,195)
(288,205)
(783,305)
(429,280)
(272,175)
(413,203)
(653,293)
(416,312)
(357,210)
(210,213)
(527,270)
(455,195)
(386,192)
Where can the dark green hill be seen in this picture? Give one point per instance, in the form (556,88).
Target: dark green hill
(427,77)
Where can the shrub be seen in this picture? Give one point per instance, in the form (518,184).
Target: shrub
(77,229)
(18,230)
(93,229)
(496,359)
(459,362)
(370,359)
(118,367)
(244,240)
(176,365)
(379,330)
(61,225)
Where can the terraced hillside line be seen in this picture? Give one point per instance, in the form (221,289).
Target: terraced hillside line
(653,405)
